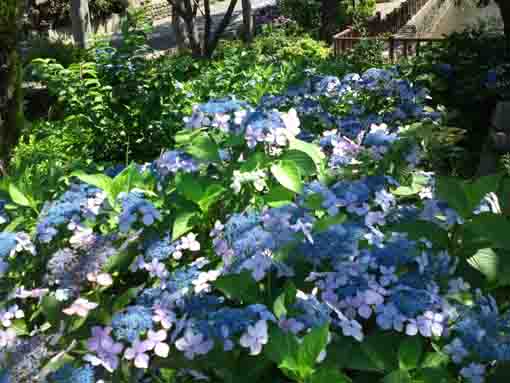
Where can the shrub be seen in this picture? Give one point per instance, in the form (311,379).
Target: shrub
(299,239)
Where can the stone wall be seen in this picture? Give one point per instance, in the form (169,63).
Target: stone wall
(157,9)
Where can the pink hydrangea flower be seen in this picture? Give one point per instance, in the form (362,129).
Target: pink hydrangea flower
(155,341)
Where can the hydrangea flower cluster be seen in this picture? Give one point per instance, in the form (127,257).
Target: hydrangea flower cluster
(187,299)
(135,208)
(81,202)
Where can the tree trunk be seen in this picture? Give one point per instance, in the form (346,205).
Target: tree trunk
(178,26)
(247,21)
(215,38)
(80,17)
(329,14)
(504,8)
(11,99)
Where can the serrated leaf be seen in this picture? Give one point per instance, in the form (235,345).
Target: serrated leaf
(287,174)
(410,352)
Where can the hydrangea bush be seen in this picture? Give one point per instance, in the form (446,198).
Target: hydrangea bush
(300,239)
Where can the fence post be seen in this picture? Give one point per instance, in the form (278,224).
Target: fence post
(392,49)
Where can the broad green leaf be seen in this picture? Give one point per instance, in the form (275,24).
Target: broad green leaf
(190,187)
(182,223)
(284,300)
(399,376)
(312,150)
(329,375)
(493,227)
(20,326)
(203,148)
(17,196)
(326,222)
(279,196)
(465,196)
(212,194)
(304,163)
(241,287)
(126,180)
(434,360)
(410,352)
(52,309)
(451,190)
(423,229)
(312,345)
(287,174)
(100,181)
(282,349)
(486,262)
(501,373)
(377,352)
(433,375)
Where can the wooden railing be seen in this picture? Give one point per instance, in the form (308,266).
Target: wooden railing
(396,47)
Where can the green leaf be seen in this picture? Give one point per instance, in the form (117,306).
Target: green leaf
(282,348)
(203,148)
(126,180)
(464,196)
(434,360)
(377,352)
(287,174)
(312,150)
(312,345)
(423,229)
(213,194)
(284,300)
(329,375)
(182,223)
(398,376)
(17,196)
(279,196)
(486,262)
(326,222)
(493,227)
(52,309)
(100,181)
(304,163)
(410,352)
(433,375)
(241,287)
(122,301)
(190,187)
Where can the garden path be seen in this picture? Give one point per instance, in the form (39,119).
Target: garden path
(163,36)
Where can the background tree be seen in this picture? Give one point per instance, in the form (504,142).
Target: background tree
(11,101)
(188,11)
(247,21)
(80,18)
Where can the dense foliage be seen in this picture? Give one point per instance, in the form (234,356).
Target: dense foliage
(297,236)
(58,11)
(469,73)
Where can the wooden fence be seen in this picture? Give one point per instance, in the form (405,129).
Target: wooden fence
(396,19)
(396,47)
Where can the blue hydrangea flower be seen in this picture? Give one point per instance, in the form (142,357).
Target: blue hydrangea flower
(132,323)
(70,374)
